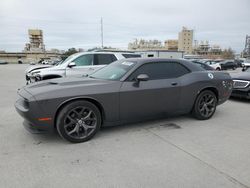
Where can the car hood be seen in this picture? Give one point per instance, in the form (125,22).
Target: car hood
(71,87)
(36,67)
(241,76)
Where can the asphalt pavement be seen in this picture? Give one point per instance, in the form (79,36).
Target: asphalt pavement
(174,152)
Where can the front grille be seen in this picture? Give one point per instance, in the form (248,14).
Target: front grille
(240,84)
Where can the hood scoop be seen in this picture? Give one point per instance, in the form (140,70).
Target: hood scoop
(52,83)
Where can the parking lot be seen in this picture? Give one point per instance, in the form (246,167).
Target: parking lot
(175,152)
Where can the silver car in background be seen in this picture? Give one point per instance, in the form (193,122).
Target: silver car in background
(79,64)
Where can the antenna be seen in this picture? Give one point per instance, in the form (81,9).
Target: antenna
(102,32)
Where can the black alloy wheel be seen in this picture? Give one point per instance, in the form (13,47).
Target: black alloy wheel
(78,121)
(205,105)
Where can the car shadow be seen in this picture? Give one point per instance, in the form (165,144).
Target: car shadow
(166,123)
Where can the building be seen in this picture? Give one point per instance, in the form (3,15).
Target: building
(171,44)
(185,41)
(205,50)
(145,45)
(36,43)
(202,48)
(33,51)
(27,57)
(161,54)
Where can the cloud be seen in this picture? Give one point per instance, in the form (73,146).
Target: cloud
(76,23)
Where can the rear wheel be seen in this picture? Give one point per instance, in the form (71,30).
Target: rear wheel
(205,105)
(78,121)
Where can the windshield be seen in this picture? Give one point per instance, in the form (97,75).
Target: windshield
(70,58)
(114,71)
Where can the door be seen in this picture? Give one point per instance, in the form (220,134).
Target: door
(158,96)
(83,66)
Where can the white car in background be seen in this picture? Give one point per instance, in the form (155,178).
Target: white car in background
(215,65)
(79,64)
(245,64)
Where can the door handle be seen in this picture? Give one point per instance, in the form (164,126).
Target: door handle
(174,83)
(91,69)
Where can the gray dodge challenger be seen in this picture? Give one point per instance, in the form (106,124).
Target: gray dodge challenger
(125,91)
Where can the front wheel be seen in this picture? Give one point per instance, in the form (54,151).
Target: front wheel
(205,105)
(78,121)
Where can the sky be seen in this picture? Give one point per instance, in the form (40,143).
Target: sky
(76,23)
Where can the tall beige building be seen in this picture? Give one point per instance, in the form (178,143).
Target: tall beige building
(185,40)
(36,41)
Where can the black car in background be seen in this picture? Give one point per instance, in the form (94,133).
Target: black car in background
(228,64)
(239,62)
(241,84)
(3,62)
(128,90)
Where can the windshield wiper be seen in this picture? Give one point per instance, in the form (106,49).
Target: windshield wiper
(90,76)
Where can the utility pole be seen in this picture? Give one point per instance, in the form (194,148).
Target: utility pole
(102,32)
(246,51)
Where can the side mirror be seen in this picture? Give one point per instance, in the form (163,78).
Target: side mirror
(71,64)
(142,77)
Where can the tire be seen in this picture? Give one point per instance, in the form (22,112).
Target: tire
(78,121)
(218,69)
(205,105)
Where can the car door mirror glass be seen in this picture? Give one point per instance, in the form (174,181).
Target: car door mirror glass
(71,64)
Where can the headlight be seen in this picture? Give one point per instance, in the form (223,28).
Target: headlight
(35,78)
(240,84)
(38,77)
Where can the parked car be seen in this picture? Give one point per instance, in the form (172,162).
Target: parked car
(20,61)
(76,65)
(245,64)
(127,90)
(241,85)
(3,62)
(203,65)
(239,62)
(215,65)
(228,64)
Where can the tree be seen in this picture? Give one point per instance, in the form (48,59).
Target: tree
(228,54)
(69,52)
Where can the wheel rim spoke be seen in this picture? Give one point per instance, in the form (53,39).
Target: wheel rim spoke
(207,105)
(80,122)
(88,116)
(72,131)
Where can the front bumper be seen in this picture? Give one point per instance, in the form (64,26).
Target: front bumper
(30,110)
(34,129)
(241,93)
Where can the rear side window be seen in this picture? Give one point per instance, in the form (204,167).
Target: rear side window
(131,55)
(104,59)
(84,60)
(162,70)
